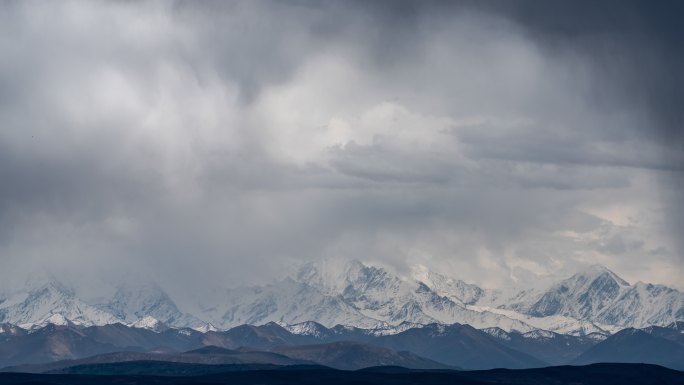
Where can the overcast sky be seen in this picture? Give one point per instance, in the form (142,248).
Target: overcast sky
(227,141)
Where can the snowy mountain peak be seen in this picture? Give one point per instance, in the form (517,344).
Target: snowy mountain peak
(594,272)
(51,319)
(150,323)
(308,328)
(51,301)
(58,319)
(207,327)
(497,333)
(45,285)
(422,273)
(454,289)
(334,292)
(581,295)
(134,301)
(43,278)
(598,295)
(325,275)
(539,334)
(332,276)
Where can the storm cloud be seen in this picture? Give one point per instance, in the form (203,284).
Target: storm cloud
(228,141)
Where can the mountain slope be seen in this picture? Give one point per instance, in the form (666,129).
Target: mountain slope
(36,305)
(135,302)
(50,343)
(554,348)
(673,332)
(131,338)
(222,358)
(599,295)
(635,346)
(458,345)
(341,355)
(380,295)
(454,289)
(285,301)
(355,355)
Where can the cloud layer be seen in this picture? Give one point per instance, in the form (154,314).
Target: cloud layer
(227,141)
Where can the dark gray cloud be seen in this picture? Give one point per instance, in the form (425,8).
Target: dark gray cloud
(228,140)
(633,47)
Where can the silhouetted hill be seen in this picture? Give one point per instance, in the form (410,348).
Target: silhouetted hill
(356,355)
(204,358)
(598,374)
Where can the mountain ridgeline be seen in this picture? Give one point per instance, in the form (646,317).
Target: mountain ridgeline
(348,316)
(594,300)
(433,346)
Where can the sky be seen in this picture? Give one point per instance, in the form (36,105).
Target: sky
(226,142)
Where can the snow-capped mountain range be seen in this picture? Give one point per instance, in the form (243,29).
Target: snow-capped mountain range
(594,300)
